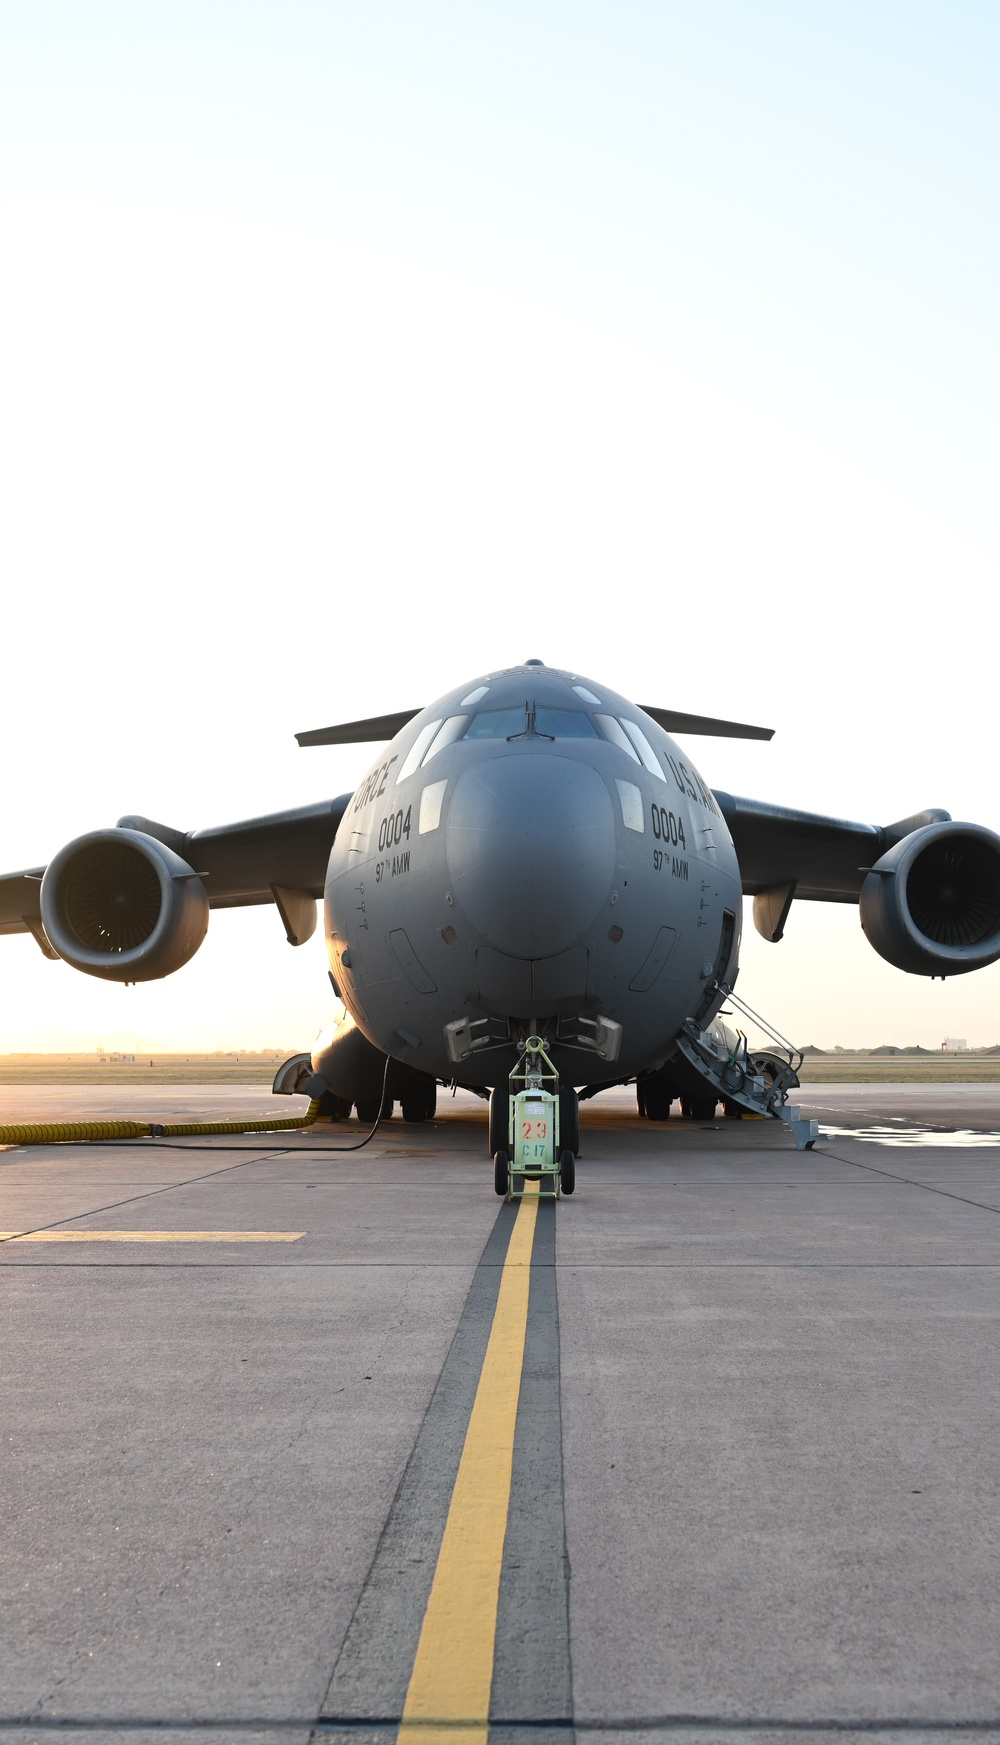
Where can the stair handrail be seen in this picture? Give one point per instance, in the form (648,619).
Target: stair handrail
(795,1055)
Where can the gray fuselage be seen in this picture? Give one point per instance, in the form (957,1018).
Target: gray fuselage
(532,853)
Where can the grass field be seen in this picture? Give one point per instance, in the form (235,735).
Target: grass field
(166,1069)
(901,1069)
(180,1069)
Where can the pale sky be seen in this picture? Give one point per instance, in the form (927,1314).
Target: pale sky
(351,351)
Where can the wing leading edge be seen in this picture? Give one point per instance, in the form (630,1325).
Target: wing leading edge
(784,853)
(241,864)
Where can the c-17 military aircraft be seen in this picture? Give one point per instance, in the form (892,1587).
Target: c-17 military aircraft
(532,854)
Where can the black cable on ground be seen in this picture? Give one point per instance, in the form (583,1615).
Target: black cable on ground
(127,1132)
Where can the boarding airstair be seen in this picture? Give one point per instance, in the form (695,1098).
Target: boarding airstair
(741,1081)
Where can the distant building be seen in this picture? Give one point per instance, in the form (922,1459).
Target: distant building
(954,1045)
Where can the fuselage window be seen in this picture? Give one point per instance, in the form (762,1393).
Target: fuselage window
(564,723)
(644,749)
(446,734)
(412,759)
(430,807)
(497,723)
(631,800)
(614,731)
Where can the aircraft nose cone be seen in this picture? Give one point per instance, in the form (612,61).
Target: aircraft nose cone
(531,850)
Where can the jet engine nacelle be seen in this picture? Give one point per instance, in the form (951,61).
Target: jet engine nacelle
(931,906)
(120,905)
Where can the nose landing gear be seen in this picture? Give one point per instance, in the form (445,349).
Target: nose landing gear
(529,1118)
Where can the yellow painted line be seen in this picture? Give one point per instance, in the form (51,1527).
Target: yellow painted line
(151,1235)
(448,1698)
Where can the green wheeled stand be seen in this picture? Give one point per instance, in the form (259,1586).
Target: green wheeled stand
(533,1151)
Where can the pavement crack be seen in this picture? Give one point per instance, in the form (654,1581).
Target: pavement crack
(133,1199)
(908,1181)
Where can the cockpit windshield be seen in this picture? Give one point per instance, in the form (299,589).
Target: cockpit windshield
(564,723)
(496,723)
(541,719)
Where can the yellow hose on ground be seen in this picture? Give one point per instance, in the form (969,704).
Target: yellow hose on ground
(54,1133)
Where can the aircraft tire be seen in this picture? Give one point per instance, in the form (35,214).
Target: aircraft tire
(501,1174)
(567,1171)
(368,1112)
(703,1108)
(333,1108)
(419,1103)
(569,1119)
(640,1097)
(657,1100)
(499,1119)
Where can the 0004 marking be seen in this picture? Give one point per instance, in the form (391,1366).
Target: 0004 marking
(393,828)
(667,826)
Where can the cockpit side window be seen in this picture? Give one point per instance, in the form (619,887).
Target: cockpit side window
(446,734)
(644,749)
(614,731)
(417,749)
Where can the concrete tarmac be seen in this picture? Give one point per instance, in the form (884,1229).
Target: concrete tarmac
(756,1462)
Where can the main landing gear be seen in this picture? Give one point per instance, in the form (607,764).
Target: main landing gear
(534,1128)
(416,1103)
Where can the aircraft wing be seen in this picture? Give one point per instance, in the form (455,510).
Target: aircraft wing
(19,906)
(784,853)
(240,864)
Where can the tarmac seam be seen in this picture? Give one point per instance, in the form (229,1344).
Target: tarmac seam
(452,1266)
(453,1669)
(384,1722)
(372,1684)
(533,1673)
(908,1181)
(133,1200)
(372,1667)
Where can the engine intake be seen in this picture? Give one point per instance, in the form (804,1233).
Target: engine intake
(120,905)
(931,906)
